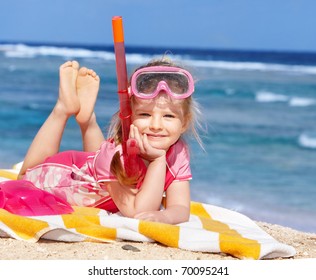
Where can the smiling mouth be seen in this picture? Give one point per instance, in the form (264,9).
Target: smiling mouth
(154,136)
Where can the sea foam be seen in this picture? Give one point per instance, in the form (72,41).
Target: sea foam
(21,50)
(26,51)
(301,102)
(271,97)
(307,141)
(254,66)
(267,96)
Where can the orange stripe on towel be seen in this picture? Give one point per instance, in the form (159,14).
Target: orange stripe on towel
(230,241)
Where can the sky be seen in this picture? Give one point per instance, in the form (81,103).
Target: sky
(209,24)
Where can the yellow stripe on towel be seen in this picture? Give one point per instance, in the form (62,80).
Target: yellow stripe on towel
(9,174)
(163,233)
(230,240)
(24,227)
(86,221)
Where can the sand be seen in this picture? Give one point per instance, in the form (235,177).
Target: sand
(11,249)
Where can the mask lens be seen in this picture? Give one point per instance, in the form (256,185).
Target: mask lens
(147,83)
(177,82)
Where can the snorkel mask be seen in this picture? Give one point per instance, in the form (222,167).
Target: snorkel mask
(148,82)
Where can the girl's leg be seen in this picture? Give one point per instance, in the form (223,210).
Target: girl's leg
(88,83)
(47,141)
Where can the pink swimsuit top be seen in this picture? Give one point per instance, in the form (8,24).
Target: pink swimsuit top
(178,164)
(178,168)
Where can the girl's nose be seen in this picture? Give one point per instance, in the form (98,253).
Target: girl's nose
(155,123)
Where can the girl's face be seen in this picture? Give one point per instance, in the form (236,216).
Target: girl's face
(160,119)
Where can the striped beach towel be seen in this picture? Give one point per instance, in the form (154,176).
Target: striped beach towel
(210,229)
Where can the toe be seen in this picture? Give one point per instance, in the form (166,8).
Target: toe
(75,64)
(83,71)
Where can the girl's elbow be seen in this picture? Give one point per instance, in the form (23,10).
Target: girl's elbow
(185,217)
(179,215)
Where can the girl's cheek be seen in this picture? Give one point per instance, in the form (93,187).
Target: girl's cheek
(138,123)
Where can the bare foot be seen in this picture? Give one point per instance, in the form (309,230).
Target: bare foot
(68,99)
(87,90)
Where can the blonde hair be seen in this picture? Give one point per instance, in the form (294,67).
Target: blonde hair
(191,114)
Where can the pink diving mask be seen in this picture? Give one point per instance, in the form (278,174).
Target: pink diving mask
(148,82)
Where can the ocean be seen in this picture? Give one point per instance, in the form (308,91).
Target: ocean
(258,113)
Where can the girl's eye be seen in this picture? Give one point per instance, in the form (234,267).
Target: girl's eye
(144,114)
(169,116)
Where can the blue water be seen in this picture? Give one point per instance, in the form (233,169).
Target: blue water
(259,109)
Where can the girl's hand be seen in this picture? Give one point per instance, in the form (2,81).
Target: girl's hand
(146,151)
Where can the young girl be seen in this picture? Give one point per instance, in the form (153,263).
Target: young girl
(162,111)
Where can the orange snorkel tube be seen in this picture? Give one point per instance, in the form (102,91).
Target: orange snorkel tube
(122,81)
(129,150)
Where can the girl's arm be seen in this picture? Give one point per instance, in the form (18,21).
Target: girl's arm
(177,203)
(177,206)
(131,201)
(145,202)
